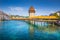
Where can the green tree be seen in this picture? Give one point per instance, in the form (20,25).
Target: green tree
(59,17)
(55,14)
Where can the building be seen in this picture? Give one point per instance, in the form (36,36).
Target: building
(58,13)
(4,16)
(31,11)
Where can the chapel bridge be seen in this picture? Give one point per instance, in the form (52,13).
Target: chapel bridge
(40,18)
(36,18)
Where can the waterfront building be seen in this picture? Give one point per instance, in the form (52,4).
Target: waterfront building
(58,13)
(4,16)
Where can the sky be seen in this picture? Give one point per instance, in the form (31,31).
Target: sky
(21,7)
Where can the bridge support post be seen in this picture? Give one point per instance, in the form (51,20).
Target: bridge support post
(47,24)
(53,24)
(41,23)
(44,24)
(37,24)
(32,22)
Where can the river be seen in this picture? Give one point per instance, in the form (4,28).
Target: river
(21,30)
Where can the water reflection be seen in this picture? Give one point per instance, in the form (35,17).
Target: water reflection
(43,31)
(1,24)
(15,30)
(20,30)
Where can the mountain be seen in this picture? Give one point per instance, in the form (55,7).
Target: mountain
(4,16)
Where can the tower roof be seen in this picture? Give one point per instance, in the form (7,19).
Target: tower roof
(31,10)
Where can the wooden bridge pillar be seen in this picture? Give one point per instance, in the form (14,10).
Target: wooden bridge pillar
(53,24)
(32,22)
(47,24)
(41,23)
(44,23)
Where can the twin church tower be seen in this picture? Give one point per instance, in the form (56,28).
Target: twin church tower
(31,11)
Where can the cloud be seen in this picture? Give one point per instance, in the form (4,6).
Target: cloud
(22,11)
(18,9)
(35,9)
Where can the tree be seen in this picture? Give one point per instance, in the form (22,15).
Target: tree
(55,14)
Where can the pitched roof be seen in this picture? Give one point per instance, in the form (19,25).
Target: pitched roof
(31,10)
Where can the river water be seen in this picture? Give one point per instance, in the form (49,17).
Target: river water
(21,30)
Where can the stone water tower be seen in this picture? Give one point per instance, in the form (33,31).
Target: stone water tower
(31,11)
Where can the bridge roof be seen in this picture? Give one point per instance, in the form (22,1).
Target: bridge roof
(45,17)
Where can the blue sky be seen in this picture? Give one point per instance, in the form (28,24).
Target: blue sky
(21,7)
